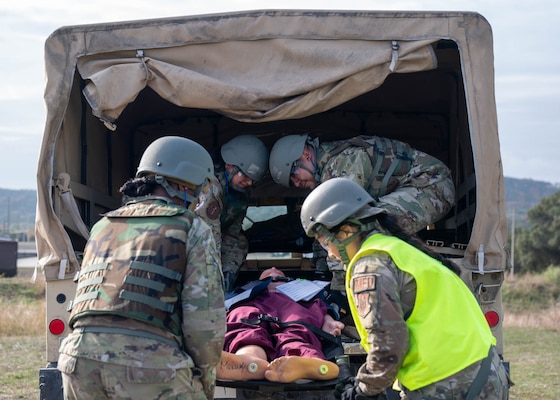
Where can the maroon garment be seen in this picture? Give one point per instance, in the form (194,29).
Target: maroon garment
(277,341)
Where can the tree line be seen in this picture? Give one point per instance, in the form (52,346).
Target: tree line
(537,246)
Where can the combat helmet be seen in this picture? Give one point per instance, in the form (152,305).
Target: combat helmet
(177,159)
(333,202)
(249,154)
(284,153)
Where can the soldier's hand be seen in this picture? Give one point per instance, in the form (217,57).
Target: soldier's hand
(353,392)
(343,385)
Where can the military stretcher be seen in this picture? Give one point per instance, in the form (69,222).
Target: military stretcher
(336,349)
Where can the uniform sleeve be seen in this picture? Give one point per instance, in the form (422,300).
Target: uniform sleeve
(234,242)
(209,207)
(203,304)
(376,290)
(352,163)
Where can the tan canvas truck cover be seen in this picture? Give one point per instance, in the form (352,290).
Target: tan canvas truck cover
(255,67)
(300,63)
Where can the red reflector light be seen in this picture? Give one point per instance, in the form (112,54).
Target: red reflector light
(492,318)
(56,326)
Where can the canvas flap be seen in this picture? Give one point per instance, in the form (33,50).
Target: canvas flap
(265,80)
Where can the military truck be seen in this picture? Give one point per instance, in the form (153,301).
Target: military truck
(425,78)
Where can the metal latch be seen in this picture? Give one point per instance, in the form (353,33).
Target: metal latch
(487,285)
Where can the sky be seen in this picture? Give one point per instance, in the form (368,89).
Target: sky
(526,60)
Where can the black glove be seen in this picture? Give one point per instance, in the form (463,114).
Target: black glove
(352,392)
(343,385)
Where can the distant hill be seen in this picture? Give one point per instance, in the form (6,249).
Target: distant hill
(524,194)
(17,207)
(17,211)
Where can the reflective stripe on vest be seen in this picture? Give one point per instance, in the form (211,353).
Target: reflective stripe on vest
(444,308)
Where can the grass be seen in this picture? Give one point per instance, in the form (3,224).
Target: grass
(20,360)
(534,356)
(22,306)
(531,335)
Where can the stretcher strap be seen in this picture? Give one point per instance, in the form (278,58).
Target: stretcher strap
(319,332)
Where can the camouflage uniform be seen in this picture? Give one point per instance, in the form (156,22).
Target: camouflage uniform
(209,207)
(419,192)
(146,353)
(224,209)
(388,336)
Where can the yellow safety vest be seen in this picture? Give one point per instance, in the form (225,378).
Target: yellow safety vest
(447,329)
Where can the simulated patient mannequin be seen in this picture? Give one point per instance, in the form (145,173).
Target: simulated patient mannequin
(273,352)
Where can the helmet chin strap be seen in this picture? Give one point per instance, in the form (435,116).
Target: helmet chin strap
(181,194)
(342,244)
(341,247)
(313,171)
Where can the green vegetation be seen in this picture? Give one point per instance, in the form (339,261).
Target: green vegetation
(538,246)
(20,291)
(532,293)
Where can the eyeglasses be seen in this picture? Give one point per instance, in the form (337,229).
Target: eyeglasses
(325,236)
(324,241)
(244,179)
(281,279)
(277,279)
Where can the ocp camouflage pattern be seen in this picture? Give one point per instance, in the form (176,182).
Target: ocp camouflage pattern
(155,232)
(227,226)
(419,192)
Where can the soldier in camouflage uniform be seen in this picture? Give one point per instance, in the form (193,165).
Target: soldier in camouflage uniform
(148,317)
(223,202)
(414,187)
(418,321)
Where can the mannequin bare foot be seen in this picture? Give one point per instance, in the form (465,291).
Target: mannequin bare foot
(291,368)
(240,367)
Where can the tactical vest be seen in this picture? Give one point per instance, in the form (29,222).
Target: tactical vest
(133,265)
(389,159)
(444,308)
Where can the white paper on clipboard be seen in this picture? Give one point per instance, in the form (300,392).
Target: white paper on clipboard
(302,289)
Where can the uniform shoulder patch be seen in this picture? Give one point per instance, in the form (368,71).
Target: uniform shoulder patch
(364,283)
(363,289)
(213,210)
